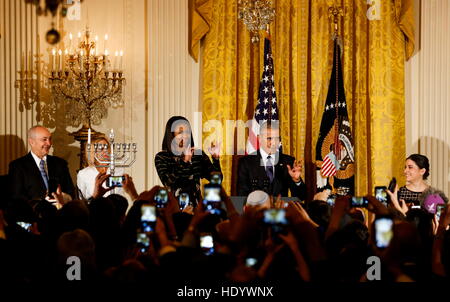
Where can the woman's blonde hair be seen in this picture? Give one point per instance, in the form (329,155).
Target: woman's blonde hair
(91,160)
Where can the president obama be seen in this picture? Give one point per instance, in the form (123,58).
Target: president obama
(268,169)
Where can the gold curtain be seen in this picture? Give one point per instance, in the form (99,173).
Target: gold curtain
(373,62)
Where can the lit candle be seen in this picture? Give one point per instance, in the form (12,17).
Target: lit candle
(52,61)
(89,136)
(70,42)
(120,62)
(104,45)
(64,59)
(81,60)
(59,64)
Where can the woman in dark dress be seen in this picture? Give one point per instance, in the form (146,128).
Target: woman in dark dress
(179,165)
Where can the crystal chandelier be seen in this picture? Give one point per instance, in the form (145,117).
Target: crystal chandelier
(86,80)
(256,15)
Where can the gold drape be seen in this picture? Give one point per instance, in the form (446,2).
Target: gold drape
(373,62)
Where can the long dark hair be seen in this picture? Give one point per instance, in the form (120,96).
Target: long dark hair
(169,134)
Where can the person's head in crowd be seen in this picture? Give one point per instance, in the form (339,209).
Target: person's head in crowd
(257,200)
(121,205)
(73,215)
(269,136)
(178,135)
(319,211)
(80,244)
(417,168)
(19,210)
(131,271)
(431,198)
(40,140)
(103,155)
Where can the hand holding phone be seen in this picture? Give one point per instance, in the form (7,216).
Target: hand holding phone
(212,199)
(359,202)
(381,194)
(383,231)
(115,181)
(392,184)
(161,198)
(207,243)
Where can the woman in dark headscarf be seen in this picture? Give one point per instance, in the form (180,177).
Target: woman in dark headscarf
(179,165)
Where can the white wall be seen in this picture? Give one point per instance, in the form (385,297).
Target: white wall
(161,78)
(428,90)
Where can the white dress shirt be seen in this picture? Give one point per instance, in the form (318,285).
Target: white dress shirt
(86,182)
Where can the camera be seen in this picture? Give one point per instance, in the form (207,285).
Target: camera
(276,218)
(25,225)
(216,178)
(392,184)
(331,199)
(207,243)
(148,218)
(383,231)
(381,194)
(161,198)
(251,262)
(143,242)
(439,209)
(115,181)
(359,202)
(183,200)
(212,198)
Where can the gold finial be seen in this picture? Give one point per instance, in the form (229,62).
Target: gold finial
(334,13)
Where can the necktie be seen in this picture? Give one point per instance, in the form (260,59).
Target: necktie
(269,168)
(43,173)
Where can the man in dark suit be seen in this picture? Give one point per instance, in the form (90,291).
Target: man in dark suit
(37,174)
(268,169)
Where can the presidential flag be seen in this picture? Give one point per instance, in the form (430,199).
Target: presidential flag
(266,109)
(334,150)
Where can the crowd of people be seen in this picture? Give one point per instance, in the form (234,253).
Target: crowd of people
(172,234)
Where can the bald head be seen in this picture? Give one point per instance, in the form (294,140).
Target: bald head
(40,140)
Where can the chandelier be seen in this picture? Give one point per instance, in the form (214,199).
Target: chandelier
(256,15)
(86,81)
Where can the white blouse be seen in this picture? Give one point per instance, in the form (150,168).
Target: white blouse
(86,182)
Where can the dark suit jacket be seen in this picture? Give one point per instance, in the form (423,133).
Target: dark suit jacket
(26,181)
(252,176)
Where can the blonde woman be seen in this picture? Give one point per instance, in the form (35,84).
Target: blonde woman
(86,177)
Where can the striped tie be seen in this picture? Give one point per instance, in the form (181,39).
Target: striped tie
(269,168)
(43,173)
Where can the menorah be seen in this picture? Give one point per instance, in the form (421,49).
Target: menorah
(121,155)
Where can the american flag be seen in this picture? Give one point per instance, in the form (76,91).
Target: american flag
(267,108)
(330,165)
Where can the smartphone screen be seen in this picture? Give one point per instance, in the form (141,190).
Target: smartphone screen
(439,209)
(25,225)
(251,262)
(212,198)
(115,181)
(216,178)
(183,200)
(359,202)
(331,199)
(207,244)
(148,218)
(161,198)
(381,195)
(383,232)
(143,241)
